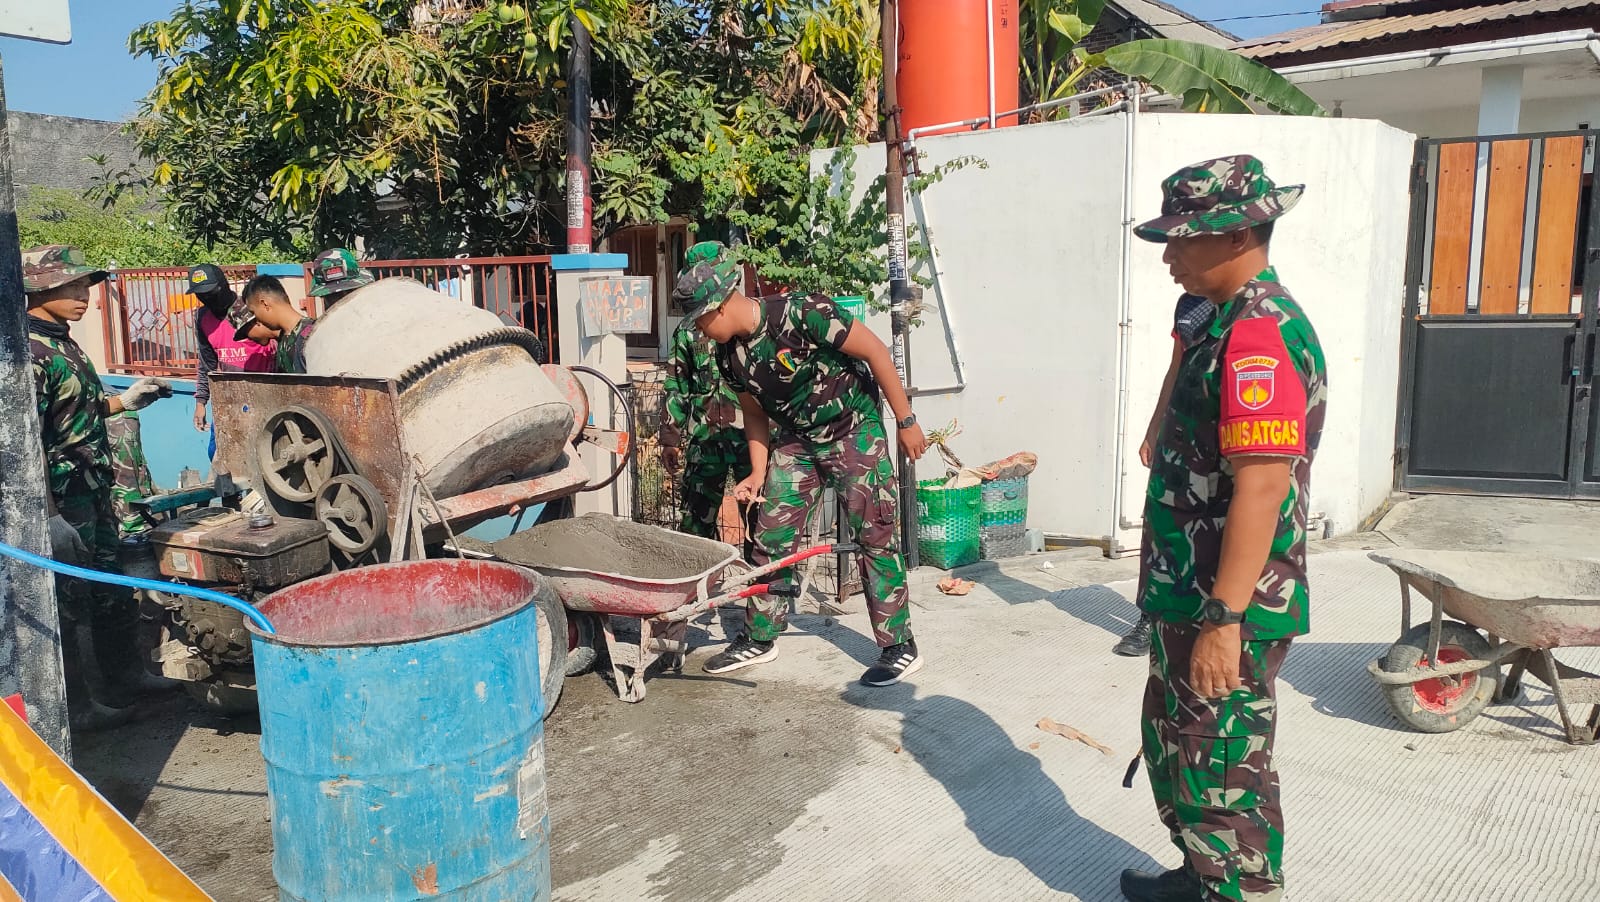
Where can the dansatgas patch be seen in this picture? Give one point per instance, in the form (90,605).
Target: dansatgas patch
(1263,399)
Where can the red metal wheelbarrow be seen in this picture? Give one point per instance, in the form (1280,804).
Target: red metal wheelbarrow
(659,578)
(1443,673)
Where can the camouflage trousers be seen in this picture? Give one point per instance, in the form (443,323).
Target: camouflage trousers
(1210,766)
(132,473)
(706,467)
(862,474)
(105,615)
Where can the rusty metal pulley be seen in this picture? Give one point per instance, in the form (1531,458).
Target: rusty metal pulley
(353,511)
(296,453)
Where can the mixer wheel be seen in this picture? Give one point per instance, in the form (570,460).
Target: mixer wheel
(352,510)
(295,453)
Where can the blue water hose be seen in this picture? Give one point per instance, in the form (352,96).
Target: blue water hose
(134,582)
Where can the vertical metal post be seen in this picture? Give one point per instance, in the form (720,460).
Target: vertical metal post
(899,275)
(30,630)
(580,205)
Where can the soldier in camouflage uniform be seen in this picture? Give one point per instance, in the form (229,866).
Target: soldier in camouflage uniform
(269,306)
(808,378)
(1225,521)
(1190,319)
(335,273)
(702,408)
(73,410)
(130,473)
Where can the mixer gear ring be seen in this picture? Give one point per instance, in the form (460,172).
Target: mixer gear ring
(353,511)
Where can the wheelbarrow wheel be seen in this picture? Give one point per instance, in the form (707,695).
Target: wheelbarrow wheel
(582,633)
(552,626)
(1440,704)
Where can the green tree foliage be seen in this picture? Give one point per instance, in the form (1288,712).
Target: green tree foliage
(1207,79)
(130,231)
(305,123)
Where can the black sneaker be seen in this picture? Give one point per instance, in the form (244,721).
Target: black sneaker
(741,652)
(896,663)
(1177,885)
(1136,644)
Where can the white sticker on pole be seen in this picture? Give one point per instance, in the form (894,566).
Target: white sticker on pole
(36,20)
(575,198)
(897,246)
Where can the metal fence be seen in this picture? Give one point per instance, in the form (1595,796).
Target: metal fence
(150,318)
(150,315)
(519,290)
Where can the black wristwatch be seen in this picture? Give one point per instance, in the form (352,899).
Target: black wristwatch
(908,422)
(1216,613)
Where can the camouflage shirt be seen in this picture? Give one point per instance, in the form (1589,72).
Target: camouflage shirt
(72,411)
(292,346)
(1254,384)
(792,364)
(699,402)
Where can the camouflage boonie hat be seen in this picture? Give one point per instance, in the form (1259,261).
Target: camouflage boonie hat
(53,265)
(708,278)
(241,319)
(1217,197)
(337,270)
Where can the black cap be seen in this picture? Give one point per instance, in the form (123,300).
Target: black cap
(206,279)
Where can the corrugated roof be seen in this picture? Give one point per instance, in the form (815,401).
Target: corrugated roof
(1171,22)
(1332,34)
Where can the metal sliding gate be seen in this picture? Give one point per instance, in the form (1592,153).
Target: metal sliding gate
(1498,369)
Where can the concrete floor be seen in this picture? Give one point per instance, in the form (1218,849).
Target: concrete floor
(788,782)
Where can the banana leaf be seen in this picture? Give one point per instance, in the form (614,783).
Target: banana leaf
(1209,79)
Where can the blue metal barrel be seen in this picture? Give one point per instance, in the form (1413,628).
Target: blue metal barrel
(402,728)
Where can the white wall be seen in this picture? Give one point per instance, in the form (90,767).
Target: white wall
(1029,247)
(1340,252)
(1030,252)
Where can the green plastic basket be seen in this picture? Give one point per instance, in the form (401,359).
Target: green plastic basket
(948,524)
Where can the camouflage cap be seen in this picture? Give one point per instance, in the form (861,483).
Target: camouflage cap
(53,265)
(1217,197)
(337,270)
(241,319)
(709,276)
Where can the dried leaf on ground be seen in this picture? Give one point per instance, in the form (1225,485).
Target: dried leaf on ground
(1066,732)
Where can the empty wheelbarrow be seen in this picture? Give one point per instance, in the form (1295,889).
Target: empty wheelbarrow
(1506,610)
(610,569)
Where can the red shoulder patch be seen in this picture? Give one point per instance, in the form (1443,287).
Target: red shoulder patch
(1263,399)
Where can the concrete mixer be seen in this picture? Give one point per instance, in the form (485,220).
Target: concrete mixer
(420,416)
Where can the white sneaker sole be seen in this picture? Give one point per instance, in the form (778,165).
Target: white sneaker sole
(762,658)
(911,668)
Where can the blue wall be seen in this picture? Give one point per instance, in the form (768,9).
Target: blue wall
(167,430)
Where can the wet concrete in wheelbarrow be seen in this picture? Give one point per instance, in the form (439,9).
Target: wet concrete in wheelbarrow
(607,545)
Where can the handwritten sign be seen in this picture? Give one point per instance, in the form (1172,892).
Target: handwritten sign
(616,304)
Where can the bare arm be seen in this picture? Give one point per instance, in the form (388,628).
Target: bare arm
(861,344)
(758,430)
(1160,413)
(1260,484)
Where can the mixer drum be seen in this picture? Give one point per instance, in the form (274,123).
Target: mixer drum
(475,407)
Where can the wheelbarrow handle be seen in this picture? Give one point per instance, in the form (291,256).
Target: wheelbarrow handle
(781,589)
(744,585)
(750,576)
